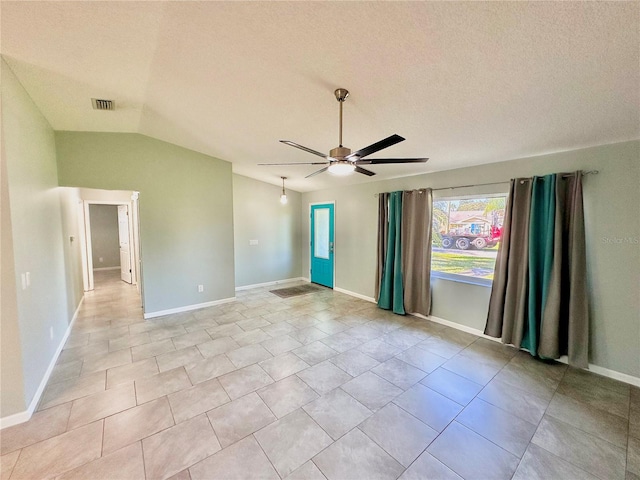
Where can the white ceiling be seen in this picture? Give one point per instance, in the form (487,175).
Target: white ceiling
(465,83)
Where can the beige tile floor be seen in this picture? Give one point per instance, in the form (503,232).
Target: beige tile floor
(317,386)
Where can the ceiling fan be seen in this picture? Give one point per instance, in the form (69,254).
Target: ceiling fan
(341,161)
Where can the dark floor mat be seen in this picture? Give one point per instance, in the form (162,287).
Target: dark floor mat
(295,291)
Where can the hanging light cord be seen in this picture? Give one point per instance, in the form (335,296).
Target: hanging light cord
(283,197)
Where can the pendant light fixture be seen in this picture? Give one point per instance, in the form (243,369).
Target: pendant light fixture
(283,197)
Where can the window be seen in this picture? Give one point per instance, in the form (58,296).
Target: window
(466,235)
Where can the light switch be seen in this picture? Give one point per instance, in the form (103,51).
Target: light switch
(253,242)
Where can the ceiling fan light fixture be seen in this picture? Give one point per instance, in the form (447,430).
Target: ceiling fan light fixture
(341,168)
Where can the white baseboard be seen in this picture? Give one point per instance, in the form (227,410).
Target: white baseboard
(354,294)
(268,284)
(605,372)
(16,418)
(106,268)
(187,308)
(457,326)
(25,416)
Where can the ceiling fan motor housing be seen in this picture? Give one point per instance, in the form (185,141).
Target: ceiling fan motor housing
(339,153)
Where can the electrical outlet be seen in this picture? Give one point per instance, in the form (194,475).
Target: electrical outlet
(101,259)
(51,333)
(200,288)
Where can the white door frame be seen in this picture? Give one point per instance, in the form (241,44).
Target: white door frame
(129,256)
(85,244)
(135,218)
(84,251)
(335,236)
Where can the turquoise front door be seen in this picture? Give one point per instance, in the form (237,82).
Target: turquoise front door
(322,244)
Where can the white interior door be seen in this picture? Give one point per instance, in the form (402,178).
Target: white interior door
(123,234)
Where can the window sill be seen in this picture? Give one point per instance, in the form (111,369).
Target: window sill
(452,277)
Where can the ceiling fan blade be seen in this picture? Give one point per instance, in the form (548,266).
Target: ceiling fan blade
(293,144)
(380,161)
(296,163)
(375,147)
(316,173)
(365,171)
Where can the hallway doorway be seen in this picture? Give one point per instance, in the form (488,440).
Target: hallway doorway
(110,244)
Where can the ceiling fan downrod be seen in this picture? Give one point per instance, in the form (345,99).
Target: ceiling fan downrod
(341,95)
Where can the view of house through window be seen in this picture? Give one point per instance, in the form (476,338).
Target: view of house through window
(466,234)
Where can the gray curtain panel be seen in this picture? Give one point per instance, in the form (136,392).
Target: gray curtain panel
(416,250)
(564,321)
(383,235)
(415,233)
(508,304)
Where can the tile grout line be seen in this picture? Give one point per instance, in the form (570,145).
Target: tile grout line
(102,439)
(542,418)
(326,433)
(15,464)
(626,450)
(464,408)
(144,464)
(331,306)
(255,439)
(587,433)
(215,434)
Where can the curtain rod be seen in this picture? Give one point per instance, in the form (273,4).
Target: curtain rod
(588,172)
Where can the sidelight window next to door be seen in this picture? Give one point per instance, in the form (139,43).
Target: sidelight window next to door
(322,242)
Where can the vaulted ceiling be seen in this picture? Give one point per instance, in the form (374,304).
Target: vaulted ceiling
(465,82)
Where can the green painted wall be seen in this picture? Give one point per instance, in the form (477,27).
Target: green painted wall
(11,376)
(71,205)
(44,308)
(259,215)
(186,210)
(611,201)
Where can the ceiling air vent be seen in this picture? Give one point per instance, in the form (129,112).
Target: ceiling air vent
(99,104)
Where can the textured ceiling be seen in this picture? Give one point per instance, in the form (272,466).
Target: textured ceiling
(465,83)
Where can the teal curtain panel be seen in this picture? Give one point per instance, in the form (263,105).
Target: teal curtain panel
(404,251)
(539,298)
